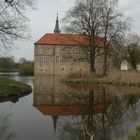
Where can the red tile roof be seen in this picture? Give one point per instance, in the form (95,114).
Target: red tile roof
(66,39)
(68,110)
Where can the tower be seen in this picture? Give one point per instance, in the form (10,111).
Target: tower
(57,30)
(55,118)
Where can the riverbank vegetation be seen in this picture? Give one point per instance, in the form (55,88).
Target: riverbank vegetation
(23,66)
(135,135)
(26,68)
(7,64)
(129,78)
(10,87)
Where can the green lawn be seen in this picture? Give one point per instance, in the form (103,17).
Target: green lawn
(10,87)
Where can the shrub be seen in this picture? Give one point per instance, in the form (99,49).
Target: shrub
(26,69)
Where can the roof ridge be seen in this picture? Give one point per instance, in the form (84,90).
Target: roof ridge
(63,34)
(66,39)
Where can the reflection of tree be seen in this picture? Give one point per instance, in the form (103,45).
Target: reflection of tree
(5,128)
(105,111)
(96,118)
(112,116)
(90,126)
(71,128)
(131,101)
(99,124)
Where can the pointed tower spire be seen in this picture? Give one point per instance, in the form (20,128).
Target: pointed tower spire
(57,30)
(55,118)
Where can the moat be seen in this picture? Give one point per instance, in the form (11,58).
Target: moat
(59,111)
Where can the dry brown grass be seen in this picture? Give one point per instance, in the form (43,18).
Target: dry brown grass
(87,76)
(129,78)
(124,76)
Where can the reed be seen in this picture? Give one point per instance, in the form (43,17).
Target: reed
(124,76)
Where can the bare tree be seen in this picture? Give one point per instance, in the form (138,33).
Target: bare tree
(5,132)
(13,22)
(85,17)
(113,29)
(99,20)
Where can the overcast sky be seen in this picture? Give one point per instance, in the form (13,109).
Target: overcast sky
(43,20)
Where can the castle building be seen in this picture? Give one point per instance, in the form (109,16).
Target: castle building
(61,54)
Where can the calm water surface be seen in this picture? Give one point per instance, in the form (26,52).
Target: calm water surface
(57,111)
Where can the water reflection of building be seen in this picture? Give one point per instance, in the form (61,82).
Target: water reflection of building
(56,99)
(102,111)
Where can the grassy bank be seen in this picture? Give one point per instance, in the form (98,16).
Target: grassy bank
(135,135)
(128,78)
(10,87)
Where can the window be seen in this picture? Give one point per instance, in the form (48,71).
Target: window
(39,50)
(57,59)
(81,50)
(76,50)
(40,60)
(65,50)
(47,60)
(98,51)
(63,59)
(49,50)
